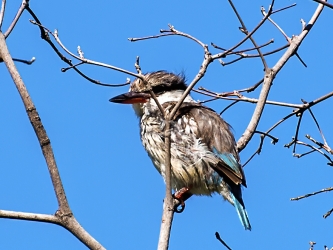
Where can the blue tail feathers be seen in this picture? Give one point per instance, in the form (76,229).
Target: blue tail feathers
(241,213)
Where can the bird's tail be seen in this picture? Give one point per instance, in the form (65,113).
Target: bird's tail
(242,214)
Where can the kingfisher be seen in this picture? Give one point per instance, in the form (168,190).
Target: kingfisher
(204,156)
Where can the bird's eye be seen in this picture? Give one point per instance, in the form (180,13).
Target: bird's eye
(159,89)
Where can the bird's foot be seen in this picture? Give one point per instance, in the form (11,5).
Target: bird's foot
(181,195)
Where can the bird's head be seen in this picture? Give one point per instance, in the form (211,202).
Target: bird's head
(166,86)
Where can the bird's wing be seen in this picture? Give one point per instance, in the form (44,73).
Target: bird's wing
(217,135)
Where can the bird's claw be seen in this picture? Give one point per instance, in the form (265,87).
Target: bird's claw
(181,195)
(181,205)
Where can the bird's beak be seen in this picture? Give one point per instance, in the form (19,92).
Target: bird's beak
(131,98)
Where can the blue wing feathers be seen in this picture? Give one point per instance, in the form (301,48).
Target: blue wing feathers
(228,159)
(235,190)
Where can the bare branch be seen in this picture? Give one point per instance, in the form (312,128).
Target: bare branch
(274,139)
(263,12)
(244,50)
(268,79)
(131,39)
(312,244)
(220,55)
(2,11)
(262,139)
(321,145)
(300,115)
(24,5)
(324,3)
(29,62)
(229,106)
(37,125)
(168,204)
(320,131)
(312,194)
(244,56)
(313,148)
(30,217)
(44,35)
(218,237)
(328,213)
(64,212)
(284,8)
(252,88)
(245,31)
(179,33)
(242,98)
(85,60)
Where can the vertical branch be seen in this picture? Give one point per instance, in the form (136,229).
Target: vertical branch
(2,11)
(168,211)
(168,206)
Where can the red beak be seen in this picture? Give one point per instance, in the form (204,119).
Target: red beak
(130,98)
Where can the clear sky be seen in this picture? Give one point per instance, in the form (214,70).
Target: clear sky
(111,184)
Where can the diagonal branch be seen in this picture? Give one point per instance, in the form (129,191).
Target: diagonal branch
(269,77)
(312,194)
(24,5)
(246,32)
(38,127)
(64,213)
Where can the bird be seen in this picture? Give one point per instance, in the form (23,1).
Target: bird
(204,156)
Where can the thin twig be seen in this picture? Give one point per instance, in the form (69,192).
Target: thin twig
(229,106)
(24,5)
(251,157)
(221,55)
(179,33)
(29,62)
(301,109)
(246,32)
(330,163)
(263,12)
(324,146)
(317,124)
(131,39)
(274,139)
(311,194)
(246,99)
(284,8)
(328,213)
(244,50)
(244,56)
(297,129)
(218,237)
(45,36)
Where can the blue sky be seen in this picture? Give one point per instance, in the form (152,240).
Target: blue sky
(112,187)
